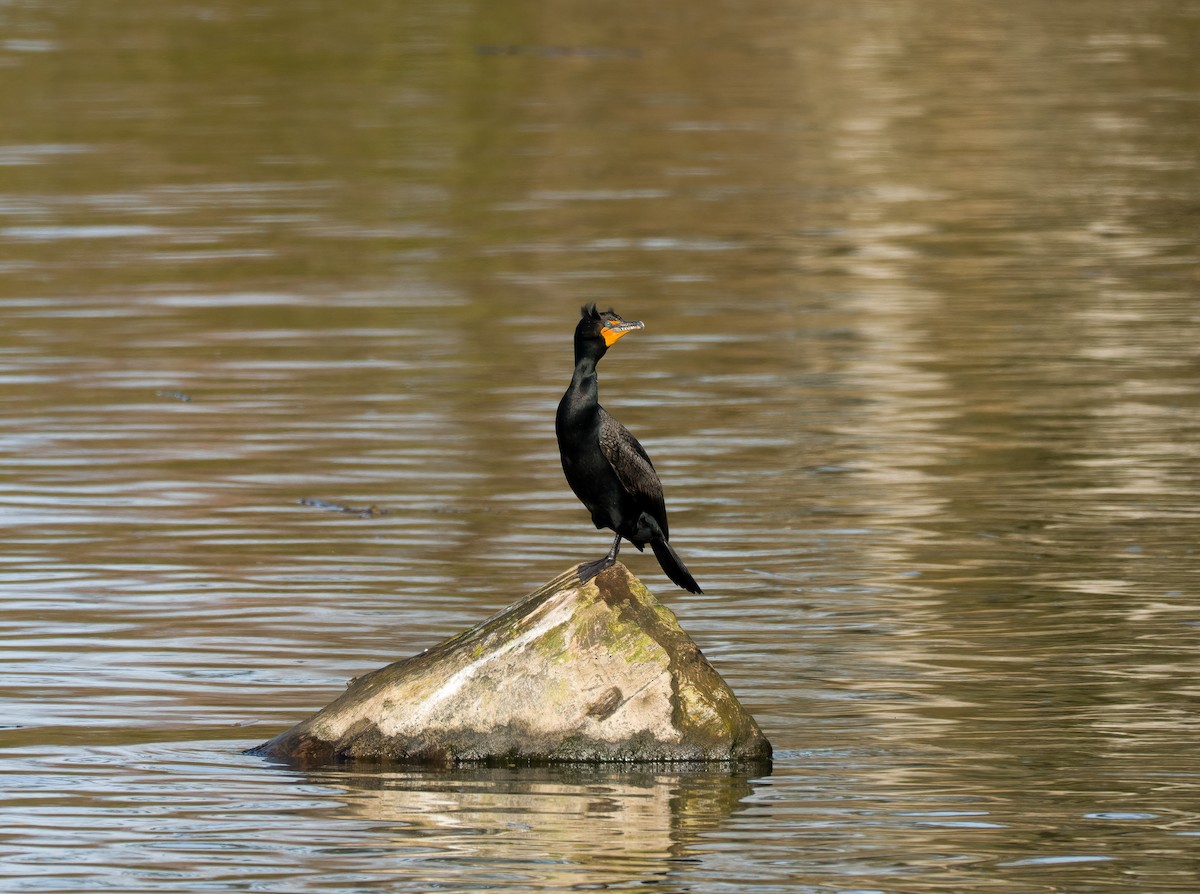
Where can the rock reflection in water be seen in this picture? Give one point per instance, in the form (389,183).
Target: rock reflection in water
(594,826)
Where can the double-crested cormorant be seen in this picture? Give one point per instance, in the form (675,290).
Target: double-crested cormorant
(604,464)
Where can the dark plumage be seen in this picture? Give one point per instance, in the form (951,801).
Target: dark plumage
(605,465)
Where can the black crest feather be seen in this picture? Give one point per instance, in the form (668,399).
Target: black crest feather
(588,311)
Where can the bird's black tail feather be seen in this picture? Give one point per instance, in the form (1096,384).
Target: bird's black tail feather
(673,566)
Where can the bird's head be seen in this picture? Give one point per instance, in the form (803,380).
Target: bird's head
(600,329)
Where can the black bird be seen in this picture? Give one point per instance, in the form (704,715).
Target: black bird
(605,465)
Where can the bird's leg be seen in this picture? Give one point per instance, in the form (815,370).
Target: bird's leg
(616,548)
(591,569)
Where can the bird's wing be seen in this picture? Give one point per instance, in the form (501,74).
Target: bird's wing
(633,468)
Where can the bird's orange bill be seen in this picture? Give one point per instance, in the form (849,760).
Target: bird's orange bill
(614,329)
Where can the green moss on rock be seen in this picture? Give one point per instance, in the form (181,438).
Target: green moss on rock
(596,672)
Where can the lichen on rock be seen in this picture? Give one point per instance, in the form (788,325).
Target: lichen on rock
(595,672)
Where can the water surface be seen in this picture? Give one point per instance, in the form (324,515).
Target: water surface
(919,372)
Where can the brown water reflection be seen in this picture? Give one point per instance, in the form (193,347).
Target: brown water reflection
(557,827)
(920,373)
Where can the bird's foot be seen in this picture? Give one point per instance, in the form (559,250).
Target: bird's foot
(588,570)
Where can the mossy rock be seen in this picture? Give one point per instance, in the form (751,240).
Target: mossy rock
(596,672)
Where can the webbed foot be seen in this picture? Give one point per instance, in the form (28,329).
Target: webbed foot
(588,570)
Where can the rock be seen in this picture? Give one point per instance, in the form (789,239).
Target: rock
(596,672)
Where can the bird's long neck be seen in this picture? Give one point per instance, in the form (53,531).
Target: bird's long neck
(585,383)
(582,399)
(588,352)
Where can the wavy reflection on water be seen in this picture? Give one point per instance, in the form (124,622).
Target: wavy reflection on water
(919,369)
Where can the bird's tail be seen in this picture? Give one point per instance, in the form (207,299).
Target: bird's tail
(673,566)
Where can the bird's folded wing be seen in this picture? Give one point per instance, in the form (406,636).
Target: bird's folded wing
(633,467)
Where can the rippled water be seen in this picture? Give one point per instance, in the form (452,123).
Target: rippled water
(920,283)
